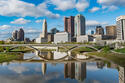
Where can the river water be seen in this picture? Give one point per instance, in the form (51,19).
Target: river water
(57,68)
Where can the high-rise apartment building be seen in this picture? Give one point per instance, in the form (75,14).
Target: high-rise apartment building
(99,30)
(20,35)
(111,31)
(14,35)
(69,25)
(80,28)
(120,27)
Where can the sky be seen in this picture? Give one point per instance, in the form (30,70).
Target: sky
(29,14)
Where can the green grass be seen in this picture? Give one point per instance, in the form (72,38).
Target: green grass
(120,50)
(65,48)
(2,49)
(82,49)
(99,47)
(117,58)
(6,57)
(21,49)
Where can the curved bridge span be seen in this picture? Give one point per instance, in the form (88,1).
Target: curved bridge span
(34,46)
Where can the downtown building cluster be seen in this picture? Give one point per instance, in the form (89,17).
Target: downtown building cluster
(75,26)
(75,31)
(17,35)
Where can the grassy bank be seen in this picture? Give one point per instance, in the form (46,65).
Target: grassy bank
(122,50)
(21,49)
(6,57)
(116,58)
(65,48)
(82,49)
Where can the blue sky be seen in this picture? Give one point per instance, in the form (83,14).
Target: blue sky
(30,13)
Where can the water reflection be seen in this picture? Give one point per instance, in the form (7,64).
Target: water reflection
(66,72)
(121,74)
(55,55)
(44,68)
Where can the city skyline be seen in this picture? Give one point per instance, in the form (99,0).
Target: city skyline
(96,12)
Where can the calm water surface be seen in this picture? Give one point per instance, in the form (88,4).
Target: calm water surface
(37,71)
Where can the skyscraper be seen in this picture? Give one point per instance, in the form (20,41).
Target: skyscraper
(44,31)
(44,35)
(69,25)
(120,27)
(80,28)
(111,31)
(20,35)
(14,35)
(99,30)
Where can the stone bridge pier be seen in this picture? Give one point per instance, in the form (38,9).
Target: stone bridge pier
(69,53)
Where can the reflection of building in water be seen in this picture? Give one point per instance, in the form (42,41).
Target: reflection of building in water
(75,70)
(100,65)
(112,65)
(44,68)
(121,74)
(47,55)
(58,55)
(121,71)
(69,70)
(80,71)
(81,56)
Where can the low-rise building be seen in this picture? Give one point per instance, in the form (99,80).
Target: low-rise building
(50,37)
(27,40)
(41,40)
(62,37)
(97,38)
(84,38)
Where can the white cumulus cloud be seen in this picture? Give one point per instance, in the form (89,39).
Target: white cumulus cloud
(18,69)
(64,5)
(95,23)
(22,9)
(81,5)
(3,27)
(20,21)
(112,8)
(94,9)
(38,21)
(111,4)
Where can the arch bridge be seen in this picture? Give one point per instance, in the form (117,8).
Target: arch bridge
(34,46)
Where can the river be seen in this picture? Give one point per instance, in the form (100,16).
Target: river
(57,67)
